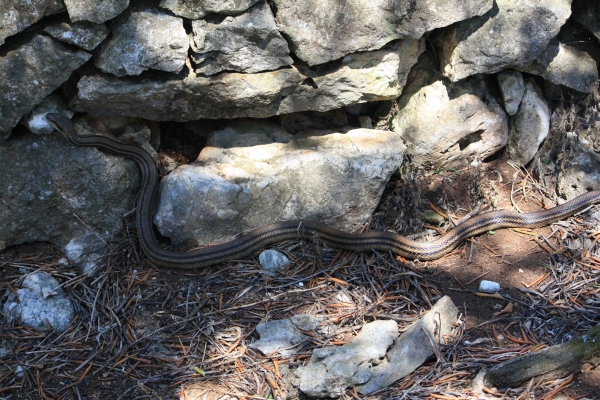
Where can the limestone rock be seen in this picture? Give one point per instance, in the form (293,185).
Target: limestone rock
(20,14)
(512,34)
(88,251)
(529,126)
(95,11)
(574,156)
(144,39)
(377,75)
(565,65)
(40,303)
(449,123)
(332,369)
(30,73)
(196,9)
(279,336)
(587,13)
(414,347)
(250,174)
(83,34)
(324,30)
(273,261)
(54,191)
(512,88)
(249,42)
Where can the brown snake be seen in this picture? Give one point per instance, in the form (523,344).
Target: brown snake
(286,230)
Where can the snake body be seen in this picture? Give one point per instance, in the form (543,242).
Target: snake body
(290,230)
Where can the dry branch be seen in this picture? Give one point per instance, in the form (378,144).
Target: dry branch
(552,362)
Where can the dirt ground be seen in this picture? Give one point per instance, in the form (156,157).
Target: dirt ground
(143,332)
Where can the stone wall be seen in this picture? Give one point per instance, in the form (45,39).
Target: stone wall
(467,77)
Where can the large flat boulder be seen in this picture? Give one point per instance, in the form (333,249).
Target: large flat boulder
(254,173)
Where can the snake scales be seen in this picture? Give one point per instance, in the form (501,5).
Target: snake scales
(268,234)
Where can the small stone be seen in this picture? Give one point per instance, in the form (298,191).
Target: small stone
(277,336)
(512,88)
(40,304)
(529,126)
(489,286)
(36,121)
(88,250)
(273,261)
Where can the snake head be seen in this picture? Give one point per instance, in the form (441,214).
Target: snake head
(61,123)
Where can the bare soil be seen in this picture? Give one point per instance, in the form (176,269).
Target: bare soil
(143,332)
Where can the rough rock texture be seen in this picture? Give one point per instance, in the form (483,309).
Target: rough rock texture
(53,191)
(195,9)
(529,126)
(512,88)
(377,75)
(449,123)
(414,347)
(88,251)
(513,33)
(32,72)
(251,174)
(587,13)
(280,336)
(565,65)
(324,30)
(95,11)
(332,369)
(249,42)
(20,14)
(40,303)
(574,156)
(273,261)
(144,39)
(83,34)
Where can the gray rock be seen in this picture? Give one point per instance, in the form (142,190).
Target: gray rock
(565,65)
(36,121)
(144,39)
(32,72)
(273,261)
(95,11)
(414,347)
(243,179)
(278,336)
(512,34)
(83,34)
(529,126)
(196,9)
(40,303)
(489,286)
(88,251)
(249,42)
(332,369)
(324,30)
(578,159)
(512,88)
(449,124)
(377,75)
(587,13)
(18,15)
(54,191)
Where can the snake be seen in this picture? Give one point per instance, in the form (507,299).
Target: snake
(247,243)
